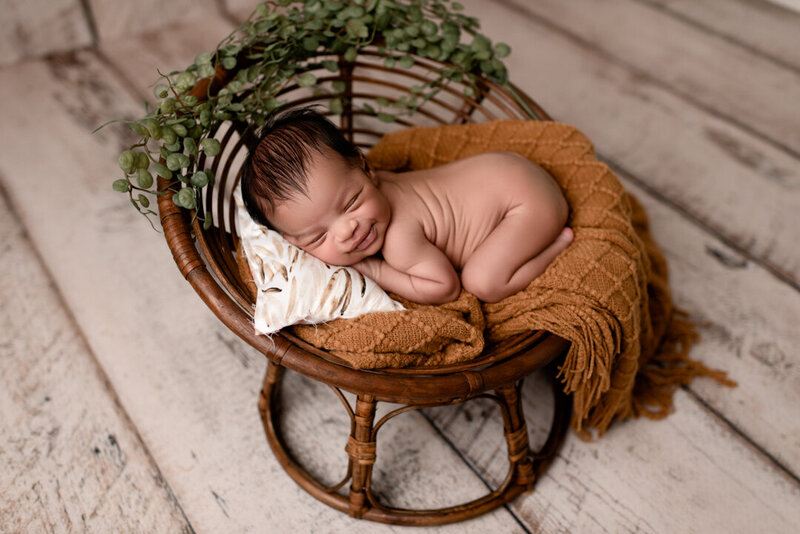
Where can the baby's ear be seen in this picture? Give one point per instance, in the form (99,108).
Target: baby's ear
(367,167)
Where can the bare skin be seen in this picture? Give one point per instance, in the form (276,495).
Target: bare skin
(490,223)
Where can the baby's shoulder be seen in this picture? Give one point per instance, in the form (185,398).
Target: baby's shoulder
(503,160)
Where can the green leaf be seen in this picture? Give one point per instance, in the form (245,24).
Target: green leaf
(161,91)
(144,201)
(139,129)
(339,86)
(386,117)
(207,222)
(121,185)
(311,43)
(167,105)
(168,135)
(203,59)
(127,161)
(144,179)
(336,106)
(350,54)
(407,62)
(502,50)
(174,162)
(229,63)
(306,80)
(179,130)
(187,198)
(199,179)
(142,161)
(190,146)
(154,128)
(162,171)
(205,117)
(210,146)
(185,80)
(428,27)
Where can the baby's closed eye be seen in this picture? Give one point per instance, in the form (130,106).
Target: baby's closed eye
(317,240)
(351,204)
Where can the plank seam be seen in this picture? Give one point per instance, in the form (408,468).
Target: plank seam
(744,437)
(688,215)
(88,14)
(524,11)
(727,38)
(102,375)
(472,468)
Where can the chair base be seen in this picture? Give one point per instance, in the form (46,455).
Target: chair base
(525,465)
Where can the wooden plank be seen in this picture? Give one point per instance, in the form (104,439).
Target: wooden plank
(765,27)
(750,330)
(239,10)
(69,457)
(728,80)
(789,4)
(688,473)
(117,19)
(139,59)
(189,384)
(715,171)
(32,28)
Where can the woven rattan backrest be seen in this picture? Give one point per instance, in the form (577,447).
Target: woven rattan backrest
(366,81)
(207,258)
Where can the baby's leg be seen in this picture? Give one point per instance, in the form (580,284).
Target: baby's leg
(514,254)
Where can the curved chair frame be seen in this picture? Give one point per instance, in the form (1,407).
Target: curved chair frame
(207,259)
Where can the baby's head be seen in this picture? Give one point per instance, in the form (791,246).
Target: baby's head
(305,180)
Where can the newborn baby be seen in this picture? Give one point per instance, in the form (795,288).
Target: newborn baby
(490,223)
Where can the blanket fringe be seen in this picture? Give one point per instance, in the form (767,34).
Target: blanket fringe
(670,368)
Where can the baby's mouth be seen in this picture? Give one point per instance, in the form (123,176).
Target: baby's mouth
(367,239)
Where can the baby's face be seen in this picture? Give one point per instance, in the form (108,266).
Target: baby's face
(344,217)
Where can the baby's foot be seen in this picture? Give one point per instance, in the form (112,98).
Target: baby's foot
(560,243)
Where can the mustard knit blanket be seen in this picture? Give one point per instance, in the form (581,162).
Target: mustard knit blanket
(607,293)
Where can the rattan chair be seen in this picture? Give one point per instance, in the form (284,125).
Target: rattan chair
(207,258)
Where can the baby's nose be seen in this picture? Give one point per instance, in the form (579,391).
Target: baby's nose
(345,229)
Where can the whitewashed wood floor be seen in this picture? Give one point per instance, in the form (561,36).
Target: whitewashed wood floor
(125,406)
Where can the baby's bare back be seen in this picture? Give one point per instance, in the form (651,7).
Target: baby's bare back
(458,205)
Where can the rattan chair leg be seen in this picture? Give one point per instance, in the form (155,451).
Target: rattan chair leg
(524,469)
(361,450)
(516,434)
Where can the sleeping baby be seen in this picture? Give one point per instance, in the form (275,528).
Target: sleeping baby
(489,223)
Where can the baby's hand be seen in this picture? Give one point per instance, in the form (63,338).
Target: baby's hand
(369,267)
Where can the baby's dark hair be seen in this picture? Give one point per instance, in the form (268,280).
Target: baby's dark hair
(275,169)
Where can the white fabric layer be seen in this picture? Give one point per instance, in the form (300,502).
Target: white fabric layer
(295,287)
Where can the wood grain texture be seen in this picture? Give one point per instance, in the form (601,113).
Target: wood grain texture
(190,386)
(688,473)
(116,19)
(732,182)
(70,461)
(32,28)
(748,323)
(239,9)
(765,27)
(138,59)
(727,80)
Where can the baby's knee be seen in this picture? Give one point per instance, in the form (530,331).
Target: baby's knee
(487,286)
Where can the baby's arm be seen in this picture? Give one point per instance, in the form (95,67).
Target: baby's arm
(413,268)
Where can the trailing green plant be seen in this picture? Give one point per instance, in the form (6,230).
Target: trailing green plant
(278,46)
